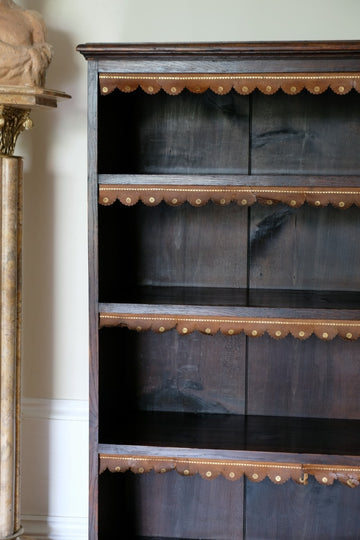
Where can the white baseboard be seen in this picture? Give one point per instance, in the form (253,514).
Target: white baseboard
(54,528)
(54,459)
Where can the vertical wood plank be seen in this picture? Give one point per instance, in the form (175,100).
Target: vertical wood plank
(93,297)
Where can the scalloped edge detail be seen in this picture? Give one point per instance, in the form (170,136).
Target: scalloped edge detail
(152,195)
(302,329)
(232,470)
(222,83)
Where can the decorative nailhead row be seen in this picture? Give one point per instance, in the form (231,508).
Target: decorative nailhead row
(243,195)
(278,473)
(243,83)
(252,327)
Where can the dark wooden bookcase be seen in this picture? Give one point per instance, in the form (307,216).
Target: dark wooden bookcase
(224,194)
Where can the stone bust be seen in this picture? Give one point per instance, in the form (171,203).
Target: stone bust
(24,53)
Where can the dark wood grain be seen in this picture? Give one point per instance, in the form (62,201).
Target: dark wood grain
(314,511)
(304,249)
(155,372)
(153,135)
(170,506)
(219,296)
(310,378)
(219,436)
(291,180)
(180,246)
(93,302)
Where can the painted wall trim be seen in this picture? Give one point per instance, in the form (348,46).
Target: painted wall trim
(55,409)
(54,528)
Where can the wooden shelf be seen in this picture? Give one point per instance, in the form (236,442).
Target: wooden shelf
(277,322)
(232,445)
(260,298)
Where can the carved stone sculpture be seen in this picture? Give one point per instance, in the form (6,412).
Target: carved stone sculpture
(24,53)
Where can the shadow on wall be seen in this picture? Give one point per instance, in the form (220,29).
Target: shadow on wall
(39,275)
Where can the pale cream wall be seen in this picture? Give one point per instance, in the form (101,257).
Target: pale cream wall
(55,253)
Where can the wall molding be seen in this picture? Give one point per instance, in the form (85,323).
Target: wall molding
(49,510)
(54,528)
(55,409)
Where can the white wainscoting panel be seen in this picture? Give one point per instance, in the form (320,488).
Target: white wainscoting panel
(54,465)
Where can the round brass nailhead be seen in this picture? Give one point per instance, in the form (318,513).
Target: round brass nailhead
(243,202)
(341,204)
(185,330)
(293,89)
(325,480)
(127,88)
(128,200)
(230,332)
(209,474)
(317,203)
(174,201)
(151,199)
(117,469)
(245,89)
(268,88)
(278,333)
(161,329)
(231,475)
(341,89)
(349,335)
(207,330)
(198,201)
(317,89)
(325,335)
(173,89)
(105,89)
(151,89)
(301,333)
(222,201)
(220,89)
(138,328)
(278,478)
(197,89)
(163,471)
(106,199)
(293,203)
(141,470)
(254,333)
(186,472)
(269,202)
(255,476)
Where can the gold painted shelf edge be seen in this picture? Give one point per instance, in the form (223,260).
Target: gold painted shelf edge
(277,328)
(175,195)
(278,473)
(243,83)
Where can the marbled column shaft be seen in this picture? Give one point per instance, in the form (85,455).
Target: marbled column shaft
(10,346)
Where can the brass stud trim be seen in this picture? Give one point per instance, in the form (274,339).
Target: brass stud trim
(207,330)
(278,478)
(106,199)
(209,474)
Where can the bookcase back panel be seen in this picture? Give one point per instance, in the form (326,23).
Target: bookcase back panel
(169,372)
(307,248)
(166,246)
(311,378)
(303,134)
(187,133)
(169,506)
(301,512)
